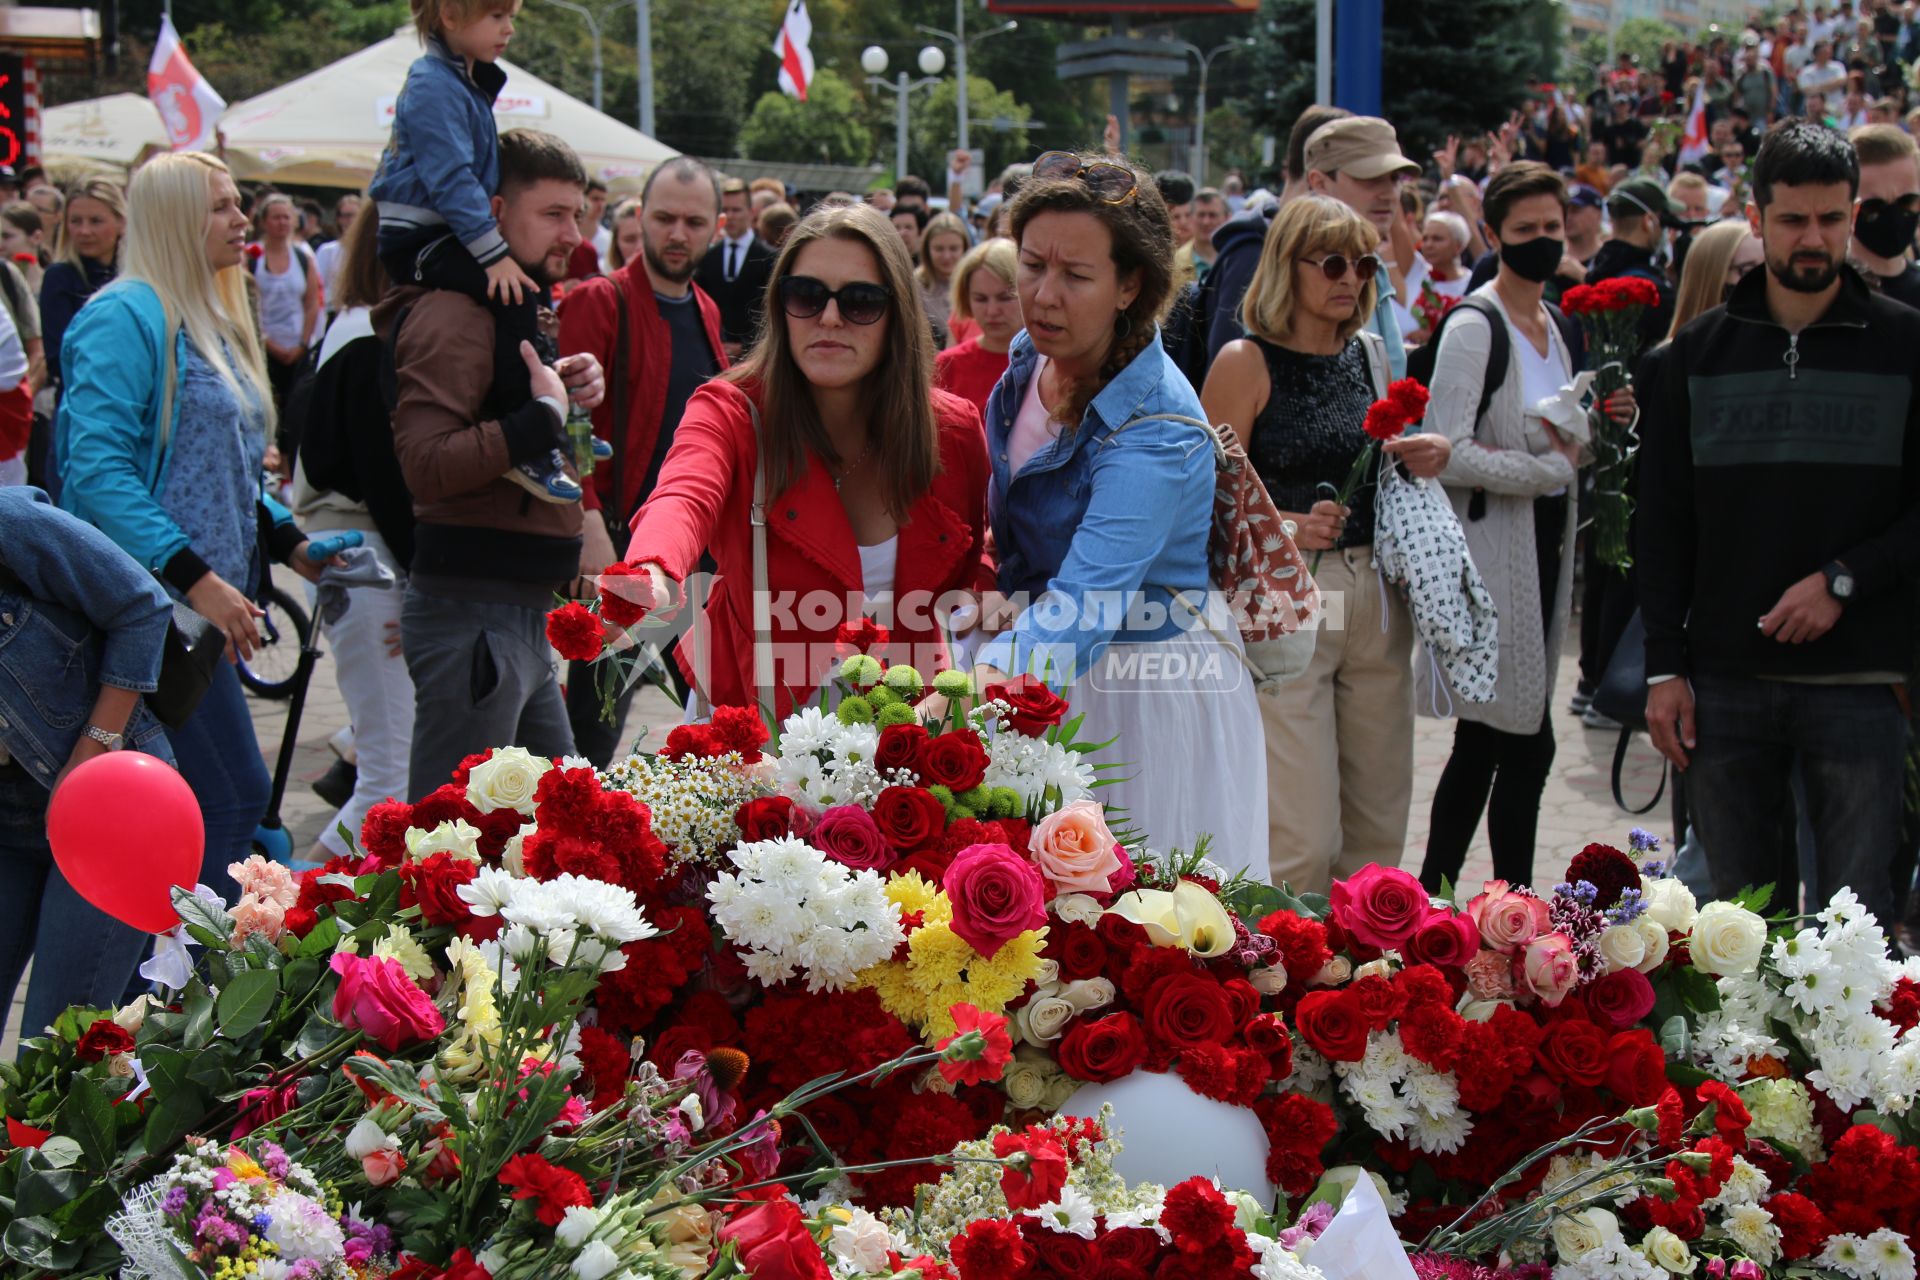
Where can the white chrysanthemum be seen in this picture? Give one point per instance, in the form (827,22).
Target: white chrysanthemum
(607,910)
(1747,1184)
(1278,1264)
(1437,1133)
(1846,1254)
(302,1229)
(1754,1230)
(807,730)
(487,892)
(1071,1214)
(1889,1255)
(531,904)
(1803,953)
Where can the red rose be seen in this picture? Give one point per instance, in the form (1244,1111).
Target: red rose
(556,1189)
(1268,1034)
(1103,1049)
(1130,1246)
(991,1249)
(1333,1025)
(1448,938)
(255,252)
(954,760)
(909,817)
(433,885)
(103,1039)
(774,1244)
(1574,1052)
(622,588)
(1621,998)
(1035,707)
(1186,1010)
(1061,1252)
(575,632)
(1380,906)
(1077,949)
(863,635)
(767,818)
(900,748)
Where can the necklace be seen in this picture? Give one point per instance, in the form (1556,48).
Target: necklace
(853,466)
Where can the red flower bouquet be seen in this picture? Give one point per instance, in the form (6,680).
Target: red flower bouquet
(1610,312)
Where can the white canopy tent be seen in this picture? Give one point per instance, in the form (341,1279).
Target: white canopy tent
(328,128)
(117,129)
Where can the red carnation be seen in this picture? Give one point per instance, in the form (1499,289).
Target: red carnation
(605,1061)
(991,1249)
(575,632)
(620,583)
(1803,1227)
(740,729)
(995,1053)
(863,635)
(1730,1115)
(255,252)
(1303,943)
(1608,870)
(1671,1115)
(1197,1214)
(1384,421)
(101,1040)
(1036,1168)
(1409,397)
(383,833)
(537,1178)
(1298,1130)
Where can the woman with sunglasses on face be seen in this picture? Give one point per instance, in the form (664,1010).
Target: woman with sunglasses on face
(1296,391)
(876,481)
(1510,479)
(1101,512)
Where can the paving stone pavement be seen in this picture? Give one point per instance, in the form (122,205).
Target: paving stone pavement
(1576,808)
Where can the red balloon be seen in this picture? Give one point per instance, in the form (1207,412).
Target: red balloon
(125,828)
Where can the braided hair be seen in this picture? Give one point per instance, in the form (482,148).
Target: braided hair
(1142,235)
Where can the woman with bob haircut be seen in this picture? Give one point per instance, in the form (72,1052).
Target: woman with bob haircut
(1296,390)
(984,302)
(161,438)
(1102,506)
(876,481)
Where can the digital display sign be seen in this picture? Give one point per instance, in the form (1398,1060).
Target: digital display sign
(13,108)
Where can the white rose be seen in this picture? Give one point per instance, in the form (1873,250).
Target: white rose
(1667,1251)
(367,1137)
(1578,1234)
(1059,1089)
(1026,1082)
(861,1242)
(1622,947)
(1483,1010)
(506,780)
(1374,969)
(513,858)
(1332,973)
(1670,903)
(1088,993)
(1077,908)
(577,1226)
(595,1261)
(1047,974)
(1727,939)
(1654,935)
(134,1016)
(1043,1019)
(1269,979)
(457,838)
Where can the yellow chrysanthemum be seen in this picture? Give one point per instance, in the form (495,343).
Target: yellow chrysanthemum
(913,893)
(399,945)
(941,969)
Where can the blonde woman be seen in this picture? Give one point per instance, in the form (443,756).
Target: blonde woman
(289,281)
(1296,389)
(161,438)
(942,244)
(985,302)
(627,237)
(86,254)
(1720,258)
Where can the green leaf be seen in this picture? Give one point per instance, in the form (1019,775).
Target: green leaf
(1676,1037)
(198,1002)
(1446,889)
(195,910)
(246,1000)
(1754,900)
(73,1023)
(59,1152)
(316,1035)
(173,1118)
(46,1190)
(321,942)
(87,1117)
(36,1242)
(1681,1074)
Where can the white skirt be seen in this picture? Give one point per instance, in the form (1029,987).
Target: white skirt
(1186,724)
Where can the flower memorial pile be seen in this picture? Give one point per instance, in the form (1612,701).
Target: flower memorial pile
(809,1005)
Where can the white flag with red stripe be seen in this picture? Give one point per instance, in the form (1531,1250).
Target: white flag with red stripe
(790,46)
(1693,143)
(188,106)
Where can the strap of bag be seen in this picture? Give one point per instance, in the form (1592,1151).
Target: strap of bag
(1619,766)
(621,513)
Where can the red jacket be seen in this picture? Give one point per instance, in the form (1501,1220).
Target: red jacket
(703,501)
(589,323)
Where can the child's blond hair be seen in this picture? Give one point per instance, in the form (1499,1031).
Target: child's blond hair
(430,15)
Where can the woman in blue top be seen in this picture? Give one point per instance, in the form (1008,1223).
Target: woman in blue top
(1101,509)
(161,438)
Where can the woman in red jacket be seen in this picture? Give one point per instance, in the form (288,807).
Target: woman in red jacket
(876,482)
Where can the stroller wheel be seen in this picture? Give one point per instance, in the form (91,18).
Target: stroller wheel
(273,842)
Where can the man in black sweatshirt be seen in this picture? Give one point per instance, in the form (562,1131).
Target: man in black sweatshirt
(1778,537)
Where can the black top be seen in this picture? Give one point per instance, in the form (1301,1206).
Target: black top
(742,298)
(1904,287)
(1623,139)
(1310,431)
(691,364)
(1618,258)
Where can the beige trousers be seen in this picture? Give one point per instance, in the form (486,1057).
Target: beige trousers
(1340,737)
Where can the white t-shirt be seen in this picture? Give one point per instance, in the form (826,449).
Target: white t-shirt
(328,256)
(1823,77)
(1541,376)
(13,354)
(1032,428)
(602,245)
(877,565)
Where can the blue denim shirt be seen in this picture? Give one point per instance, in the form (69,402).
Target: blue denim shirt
(1097,516)
(88,616)
(1388,328)
(443,162)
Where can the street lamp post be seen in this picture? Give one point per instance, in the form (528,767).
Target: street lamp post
(644,38)
(873,60)
(960,40)
(1205,59)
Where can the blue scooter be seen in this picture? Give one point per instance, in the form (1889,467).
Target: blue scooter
(270,838)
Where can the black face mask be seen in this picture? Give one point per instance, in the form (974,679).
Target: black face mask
(1534,260)
(1886,228)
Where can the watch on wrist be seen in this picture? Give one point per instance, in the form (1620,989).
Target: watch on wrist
(1839,581)
(111,741)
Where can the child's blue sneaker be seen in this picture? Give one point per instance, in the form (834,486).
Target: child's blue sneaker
(547,479)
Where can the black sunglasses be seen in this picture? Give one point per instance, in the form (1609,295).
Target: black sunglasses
(803,298)
(1334,266)
(1112,183)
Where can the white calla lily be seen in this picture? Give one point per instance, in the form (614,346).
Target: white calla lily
(1189,917)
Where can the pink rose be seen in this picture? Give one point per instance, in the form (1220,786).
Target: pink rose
(1380,906)
(1447,938)
(847,834)
(383,1166)
(1551,968)
(1075,851)
(1507,920)
(263,1106)
(996,895)
(1490,976)
(377,997)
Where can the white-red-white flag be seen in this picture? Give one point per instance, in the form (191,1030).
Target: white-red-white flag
(1693,143)
(790,46)
(187,104)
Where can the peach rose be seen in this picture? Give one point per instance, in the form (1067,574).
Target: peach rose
(383,1166)
(1507,920)
(1552,970)
(1075,851)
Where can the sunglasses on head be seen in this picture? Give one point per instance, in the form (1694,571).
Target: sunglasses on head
(1334,266)
(1110,183)
(803,298)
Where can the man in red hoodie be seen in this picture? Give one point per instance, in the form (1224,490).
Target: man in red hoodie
(657,334)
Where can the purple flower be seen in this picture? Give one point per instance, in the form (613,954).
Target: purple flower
(1640,840)
(174,1203)
(273,1158)
(1312,1221)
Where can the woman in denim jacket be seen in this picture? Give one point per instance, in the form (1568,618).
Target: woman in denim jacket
(162,435)
(81,631)
(1101,509)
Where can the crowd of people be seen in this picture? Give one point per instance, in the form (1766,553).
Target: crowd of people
(975,433)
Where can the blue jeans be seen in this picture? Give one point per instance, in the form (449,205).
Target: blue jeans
(220,759)
(1849,742)
(82,955)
